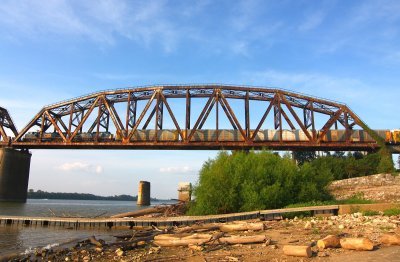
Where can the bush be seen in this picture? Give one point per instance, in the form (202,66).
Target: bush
(370,213)
(392,212)
(247,181)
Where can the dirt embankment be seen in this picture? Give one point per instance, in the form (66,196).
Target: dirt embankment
(380,188)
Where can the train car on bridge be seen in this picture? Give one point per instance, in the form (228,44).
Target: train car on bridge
(224,135)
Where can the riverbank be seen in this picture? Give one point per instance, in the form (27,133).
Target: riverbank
(138,244)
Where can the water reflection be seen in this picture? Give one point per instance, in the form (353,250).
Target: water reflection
(13,208)
(18,238)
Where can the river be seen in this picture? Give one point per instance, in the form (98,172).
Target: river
(24,239)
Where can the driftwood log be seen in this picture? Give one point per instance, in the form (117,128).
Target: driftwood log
(95,242)
(361,244)
(330,241)
(242,227)
(390,239)
(198,228)
(142,212)
(297,251)
(202,239)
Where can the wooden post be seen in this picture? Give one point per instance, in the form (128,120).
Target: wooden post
(297,251)
(361,244)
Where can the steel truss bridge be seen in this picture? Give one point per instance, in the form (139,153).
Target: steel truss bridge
(195,117)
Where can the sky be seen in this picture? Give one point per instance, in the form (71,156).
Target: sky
(347,51)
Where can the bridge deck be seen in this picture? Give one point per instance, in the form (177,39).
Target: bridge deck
(160,221)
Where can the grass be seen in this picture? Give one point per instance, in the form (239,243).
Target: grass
(296,214)
(392,212)
(370,213)
(350,201)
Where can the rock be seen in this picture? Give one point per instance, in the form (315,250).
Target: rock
(307,225)
(86,258)
(119,252)
(323,254)
(195,247)
(273,246)
(341,226)
(99,249)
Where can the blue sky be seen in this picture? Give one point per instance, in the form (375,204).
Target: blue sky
(52,50)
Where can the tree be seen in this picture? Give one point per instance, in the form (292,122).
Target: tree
(358,155)
(302,157)
(255,181)
(386,162)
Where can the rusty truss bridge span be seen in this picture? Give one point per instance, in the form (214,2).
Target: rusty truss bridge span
(195,117)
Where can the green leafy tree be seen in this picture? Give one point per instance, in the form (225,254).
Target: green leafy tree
(386,164)
(255,181)
(302,157)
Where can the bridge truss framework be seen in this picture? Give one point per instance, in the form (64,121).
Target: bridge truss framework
(101,111)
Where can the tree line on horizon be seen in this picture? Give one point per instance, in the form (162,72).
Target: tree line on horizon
(39,194)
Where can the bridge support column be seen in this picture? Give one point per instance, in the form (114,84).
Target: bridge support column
(14,174)
(185,191)
(143,198)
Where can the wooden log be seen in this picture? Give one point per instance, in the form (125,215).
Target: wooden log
(242,227)
(95,242)
(200,239)
(182,236)
(330,241)
(179,242)
(390,239)
(361,244)
(233,240)
(297,251)
(198,228)
(141,212)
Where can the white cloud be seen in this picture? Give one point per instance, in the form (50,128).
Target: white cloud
(81,167)
(101,21)
(175,169)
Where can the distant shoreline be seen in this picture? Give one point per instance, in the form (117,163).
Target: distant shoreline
(39,194)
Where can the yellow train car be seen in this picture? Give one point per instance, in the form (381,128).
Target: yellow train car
(396,136)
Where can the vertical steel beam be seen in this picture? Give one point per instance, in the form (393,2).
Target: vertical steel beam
(98,119)
(187,125)
(157,116)
(71,114)
(217,115)
(247,114)
(41,128)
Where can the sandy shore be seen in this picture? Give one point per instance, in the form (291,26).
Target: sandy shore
(137,246)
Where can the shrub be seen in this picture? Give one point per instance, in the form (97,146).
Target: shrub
(392,212)
(246,181)
(370,213)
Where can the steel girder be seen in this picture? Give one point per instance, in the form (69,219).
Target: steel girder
(92,113)
(6,123)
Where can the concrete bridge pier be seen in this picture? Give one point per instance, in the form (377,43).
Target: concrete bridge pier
(14,174)
(143,198)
